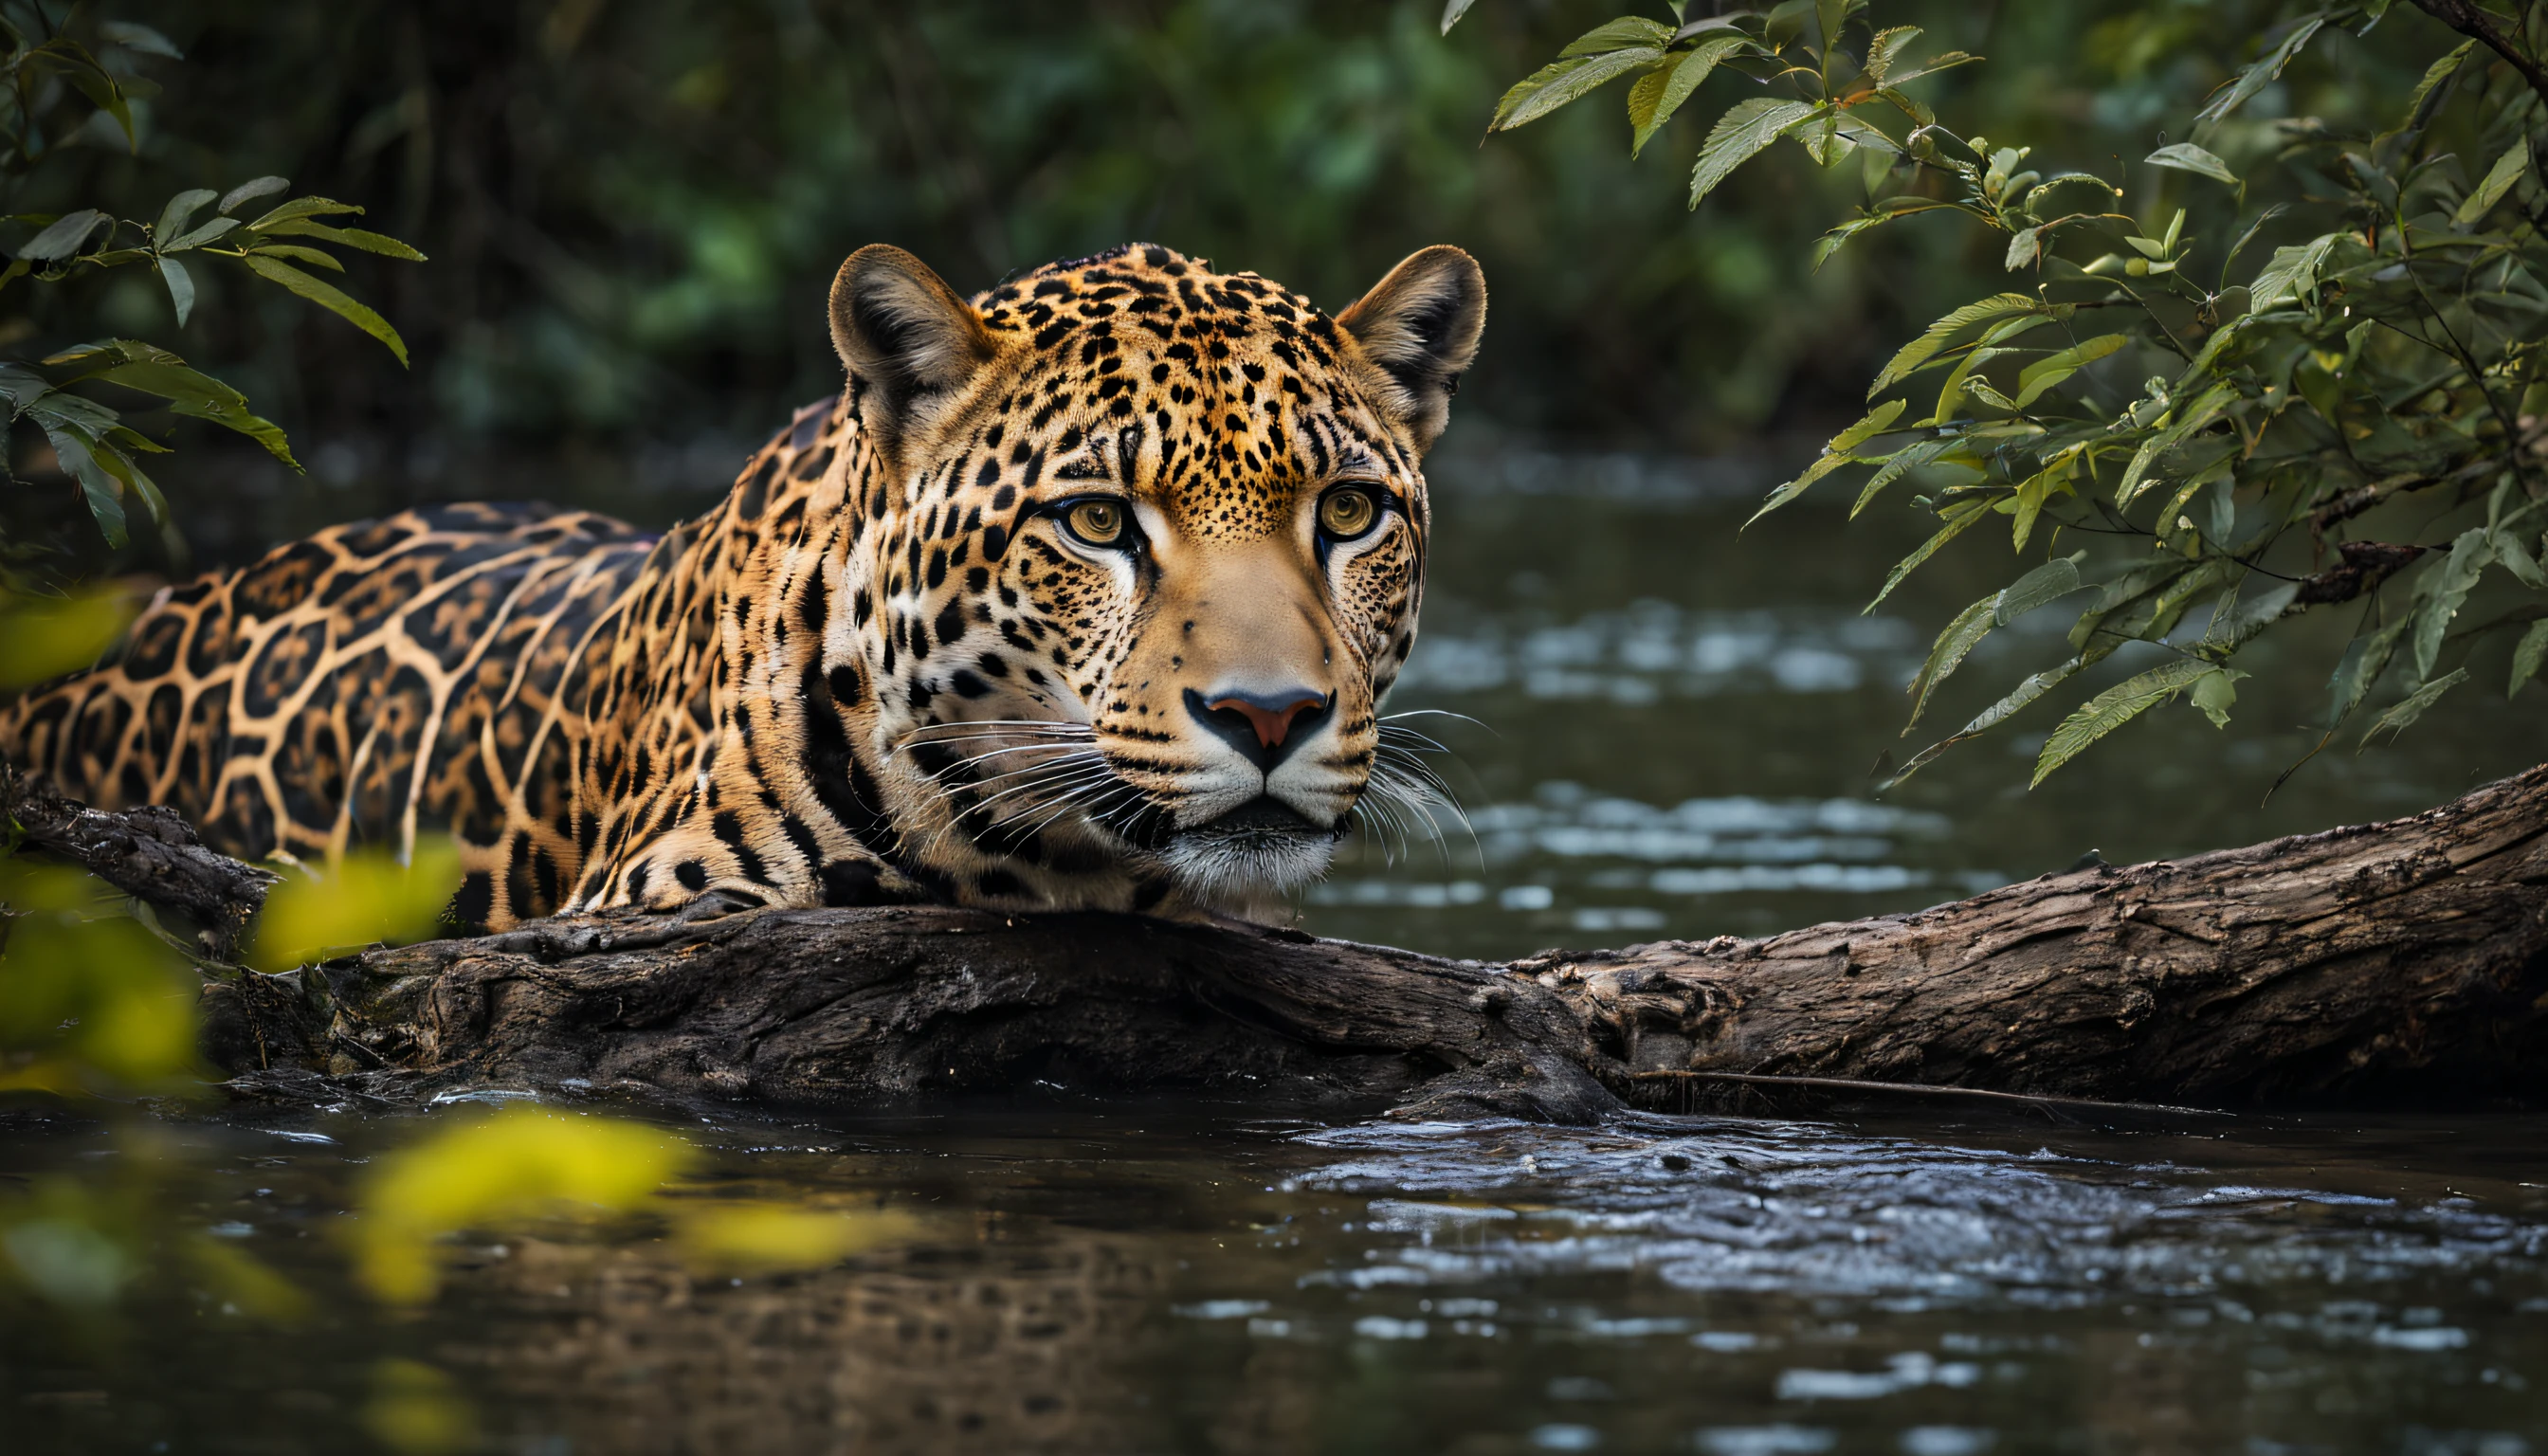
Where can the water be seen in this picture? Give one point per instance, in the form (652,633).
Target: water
(1672,734)
(1139,1279)
(1674,727)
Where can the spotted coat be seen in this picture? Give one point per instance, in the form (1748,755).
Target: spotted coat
(899,661)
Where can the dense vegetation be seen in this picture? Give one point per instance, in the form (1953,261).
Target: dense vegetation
(2274,367)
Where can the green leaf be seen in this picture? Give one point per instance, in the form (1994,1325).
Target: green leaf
(2187,418)
(1837,453)
(1972,514)
(1739,135)
(2113,708)
(2408,709)
(2517,559)
(249,191)
(2434,75)
(2290,272)
(1949,652)
(2025,248)
(181,287)
(2215,692)
(2365,658)
(65,238)
(2445,589)
(2185,157)
(197,395)
(332,298)
(2019,698)
(1560,81)
(2507,169)
(1937,335)
(2256,77)
(216,228)
(356,238)
(139,38)
(293,253)
(1627,32)
(1900,462)
(1888,49)
(2527,655)
(173,216)
(299,207)
(1452,11)
(2052,369)
(2046,584)
(102,491)
(1659,93)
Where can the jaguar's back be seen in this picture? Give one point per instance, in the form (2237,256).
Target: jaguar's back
(346,689)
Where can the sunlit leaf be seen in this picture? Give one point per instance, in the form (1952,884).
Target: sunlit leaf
(331,299)
(1959,520)
(1659,93)
(2185,157)
(354,237)
(1452,9)
(1837,453)
(1939,334)
(2019,698)
(2112,709)
(2214,693)
(1739,135)
(418,1411)
(1627,32)
(2046,584)
(1560,81)
(1956,643)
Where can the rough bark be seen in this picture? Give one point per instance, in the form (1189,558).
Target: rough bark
(2405,961)
(149,854)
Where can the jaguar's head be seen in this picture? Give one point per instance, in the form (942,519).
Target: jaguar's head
(1148,548)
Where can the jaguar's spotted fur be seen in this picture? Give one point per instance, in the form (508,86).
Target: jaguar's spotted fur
(901,660)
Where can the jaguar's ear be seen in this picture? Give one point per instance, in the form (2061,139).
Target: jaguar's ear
(909,340)
(1419,327)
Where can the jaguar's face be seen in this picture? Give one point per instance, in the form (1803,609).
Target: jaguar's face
(1158,557)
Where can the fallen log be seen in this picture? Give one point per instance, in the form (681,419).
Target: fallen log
(2404,961)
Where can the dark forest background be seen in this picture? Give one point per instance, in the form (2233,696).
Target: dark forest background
(632,210)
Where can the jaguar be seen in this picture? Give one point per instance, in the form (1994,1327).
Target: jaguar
(1083,593)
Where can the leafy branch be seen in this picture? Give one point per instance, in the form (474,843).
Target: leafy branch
(2389,347)
(288,245)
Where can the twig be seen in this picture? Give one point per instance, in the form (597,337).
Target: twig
(2474,23)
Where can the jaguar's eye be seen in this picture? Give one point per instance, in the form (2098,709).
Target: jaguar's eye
(1097,523)
(1347,514)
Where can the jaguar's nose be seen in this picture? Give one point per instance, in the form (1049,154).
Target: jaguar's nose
(1263,726)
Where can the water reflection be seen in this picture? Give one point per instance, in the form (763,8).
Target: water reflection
(1153,1280)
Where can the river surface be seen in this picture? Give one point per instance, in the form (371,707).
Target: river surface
(1659,730)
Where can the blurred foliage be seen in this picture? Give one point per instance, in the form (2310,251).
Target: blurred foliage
(634,208)
(418,1410)
(366,897)
(2329,379)
(72,81)
(92,1000)
(44,637)
(84,1244)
